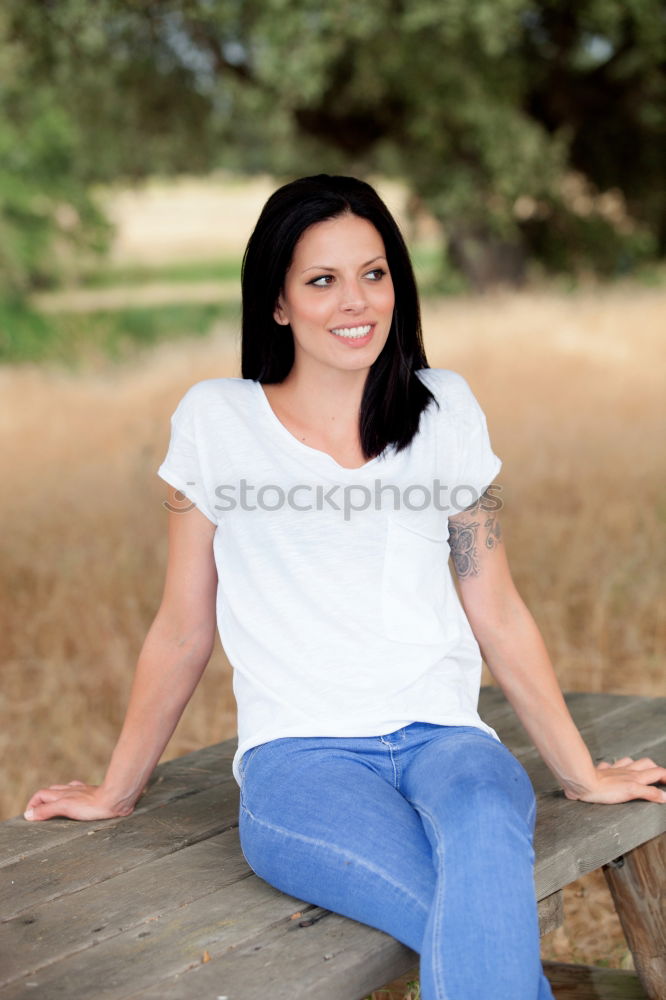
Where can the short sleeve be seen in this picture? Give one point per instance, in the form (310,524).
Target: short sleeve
(478,464)
(182,466)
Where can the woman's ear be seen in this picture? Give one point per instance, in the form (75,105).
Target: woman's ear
(279,314)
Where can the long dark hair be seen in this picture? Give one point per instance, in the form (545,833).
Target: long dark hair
(393,396)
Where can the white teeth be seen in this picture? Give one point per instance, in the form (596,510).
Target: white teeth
(353,332)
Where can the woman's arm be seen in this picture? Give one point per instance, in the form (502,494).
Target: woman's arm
(516,656)
(173,658)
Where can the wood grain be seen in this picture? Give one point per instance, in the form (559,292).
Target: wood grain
(589,982)
(638,886)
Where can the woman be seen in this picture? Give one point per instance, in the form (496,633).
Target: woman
(313,504)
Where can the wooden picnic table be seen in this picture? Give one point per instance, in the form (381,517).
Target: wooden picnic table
(161,905)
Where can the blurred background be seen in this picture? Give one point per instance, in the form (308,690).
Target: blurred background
(522,146)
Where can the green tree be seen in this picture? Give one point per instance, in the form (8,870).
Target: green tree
(47,215)
(485,109)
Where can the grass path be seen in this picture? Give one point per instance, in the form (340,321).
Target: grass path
(158,293)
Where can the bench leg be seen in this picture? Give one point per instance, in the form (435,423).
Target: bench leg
(637,884)
(551,912)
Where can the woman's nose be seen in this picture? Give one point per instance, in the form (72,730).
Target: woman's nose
(352,298)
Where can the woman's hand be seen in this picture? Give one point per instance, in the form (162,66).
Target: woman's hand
(75,800)
(624,780)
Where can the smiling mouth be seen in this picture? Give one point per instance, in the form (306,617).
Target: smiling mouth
(352,332)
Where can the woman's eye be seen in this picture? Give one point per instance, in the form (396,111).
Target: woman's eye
(325,280)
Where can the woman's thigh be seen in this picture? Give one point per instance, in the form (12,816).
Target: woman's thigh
(319,822)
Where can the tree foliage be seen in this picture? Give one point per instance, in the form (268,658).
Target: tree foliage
(529,127)
(46,212)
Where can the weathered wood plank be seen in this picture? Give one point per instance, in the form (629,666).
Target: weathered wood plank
(335,961)
(493,706)
(631,730)
(248,949)
(569,982)
(638,885)
(106,852)
(587,706)
(589,982)
(591,713)
(171,780)
(57,929)
(53,930)
(551,913)
(132,960)
(327,959)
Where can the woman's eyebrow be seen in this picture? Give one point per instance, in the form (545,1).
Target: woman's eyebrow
(325,267)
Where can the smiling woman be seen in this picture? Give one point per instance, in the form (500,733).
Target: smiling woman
(351,299)
(340,317)
(369,784)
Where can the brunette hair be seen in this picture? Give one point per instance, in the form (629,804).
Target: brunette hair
(394,397)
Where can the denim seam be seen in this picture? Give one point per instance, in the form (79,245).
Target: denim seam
(336,850)
(244,764)
(439,892)
(396,777)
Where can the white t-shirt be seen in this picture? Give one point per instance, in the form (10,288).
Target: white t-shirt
(335,603)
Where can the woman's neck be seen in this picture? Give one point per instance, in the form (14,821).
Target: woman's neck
(322,412)
(328,402)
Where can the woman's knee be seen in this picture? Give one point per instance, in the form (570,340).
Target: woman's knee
(498,783)
(476,775)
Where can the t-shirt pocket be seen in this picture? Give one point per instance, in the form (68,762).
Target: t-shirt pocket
(416,581)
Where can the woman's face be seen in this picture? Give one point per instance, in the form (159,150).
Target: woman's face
(338,295)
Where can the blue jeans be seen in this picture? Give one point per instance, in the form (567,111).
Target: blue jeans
(425,833)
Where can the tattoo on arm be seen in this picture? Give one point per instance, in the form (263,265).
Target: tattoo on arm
(464,541)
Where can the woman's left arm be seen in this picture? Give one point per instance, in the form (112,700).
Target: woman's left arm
(515,653)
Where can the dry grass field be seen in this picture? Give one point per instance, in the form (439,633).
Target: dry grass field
(574,393)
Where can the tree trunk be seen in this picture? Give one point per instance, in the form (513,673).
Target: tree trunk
(485,260)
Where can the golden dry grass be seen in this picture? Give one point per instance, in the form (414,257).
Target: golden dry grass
(166,220)
(573,389)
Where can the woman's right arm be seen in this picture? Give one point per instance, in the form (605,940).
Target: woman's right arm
(173,658)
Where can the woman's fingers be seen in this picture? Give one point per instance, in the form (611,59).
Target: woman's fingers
(642,763)
(627,779)
(649,792)
(75,800)
(44,794)
(649,775)
(51,807)
(645,771)
(60,788)
(628,762)
(67,808)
